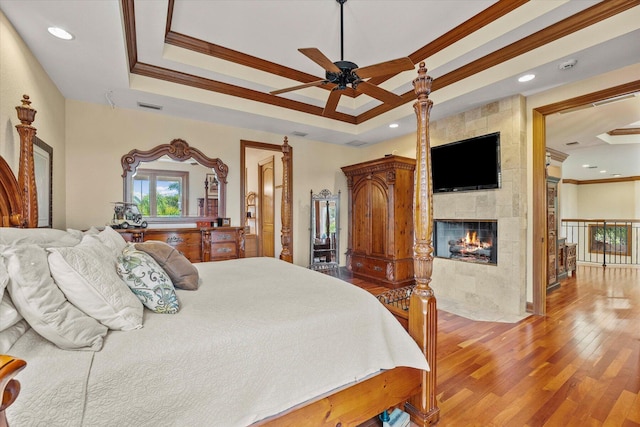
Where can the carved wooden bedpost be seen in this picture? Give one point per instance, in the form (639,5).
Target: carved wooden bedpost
(26,172)
(9,388)
(423,314)
(285,210)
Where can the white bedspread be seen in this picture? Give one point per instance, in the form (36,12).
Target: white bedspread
(259,336)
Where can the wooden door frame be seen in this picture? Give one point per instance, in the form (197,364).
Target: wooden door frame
(244,145)
(539,208)
(269,160)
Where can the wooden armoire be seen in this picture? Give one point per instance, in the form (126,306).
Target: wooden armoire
(380,202)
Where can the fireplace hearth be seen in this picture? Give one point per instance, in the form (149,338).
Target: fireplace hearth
(467,240)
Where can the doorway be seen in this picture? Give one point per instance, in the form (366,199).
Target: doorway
(540,254)
(254,179)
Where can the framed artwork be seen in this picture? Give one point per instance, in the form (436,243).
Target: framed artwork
(212,185)
(612,239)
(226,222)
(43,165)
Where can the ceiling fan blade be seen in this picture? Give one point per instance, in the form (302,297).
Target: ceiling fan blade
(385,68)
(332,102)
(289,89)
(379,93)
(319,58)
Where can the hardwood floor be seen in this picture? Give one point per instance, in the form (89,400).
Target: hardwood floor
(577,366)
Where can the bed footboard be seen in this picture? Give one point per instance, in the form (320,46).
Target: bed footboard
(353,404)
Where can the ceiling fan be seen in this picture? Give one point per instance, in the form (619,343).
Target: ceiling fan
(344,73)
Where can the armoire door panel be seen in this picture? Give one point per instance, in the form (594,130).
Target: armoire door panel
(361,222)
(379,224)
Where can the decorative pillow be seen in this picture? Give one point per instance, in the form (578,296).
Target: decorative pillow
(113,240)
(148,281)
(87,275)
(44,306)
(183,274)
(44,237)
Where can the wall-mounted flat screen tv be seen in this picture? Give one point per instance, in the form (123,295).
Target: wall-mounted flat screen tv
(470,164)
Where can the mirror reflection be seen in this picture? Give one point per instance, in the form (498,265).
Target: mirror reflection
(174,181)
(325,229)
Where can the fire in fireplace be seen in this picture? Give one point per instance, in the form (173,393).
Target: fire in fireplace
(471,241)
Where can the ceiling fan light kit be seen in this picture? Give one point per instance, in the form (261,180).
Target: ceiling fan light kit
(343,74)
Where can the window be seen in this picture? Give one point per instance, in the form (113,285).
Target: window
(161,193)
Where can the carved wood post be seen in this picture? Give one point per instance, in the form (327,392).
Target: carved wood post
(285,210)
(423,314)
(205,209)
(349,221)
(26,174)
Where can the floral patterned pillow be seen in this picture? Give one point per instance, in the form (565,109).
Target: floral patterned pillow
(148,281)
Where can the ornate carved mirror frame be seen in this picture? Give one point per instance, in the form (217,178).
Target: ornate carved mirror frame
(178,150)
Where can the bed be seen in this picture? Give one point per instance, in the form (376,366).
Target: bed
(260,342)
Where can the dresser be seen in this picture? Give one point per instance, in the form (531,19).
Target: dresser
(197,244)
(380,237)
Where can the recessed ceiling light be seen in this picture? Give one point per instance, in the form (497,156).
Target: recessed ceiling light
(60,33)
(526,78)
(393,125)
(615,175)
(586,166)
(603,171)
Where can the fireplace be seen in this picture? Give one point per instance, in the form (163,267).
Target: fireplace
(466,240)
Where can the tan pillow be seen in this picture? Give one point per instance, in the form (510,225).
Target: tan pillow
(183,274)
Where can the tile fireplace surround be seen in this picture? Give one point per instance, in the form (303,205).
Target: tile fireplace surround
(499,288)
(467,240)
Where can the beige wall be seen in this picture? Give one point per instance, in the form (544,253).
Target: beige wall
(98,136)
(615,200)
(20,73)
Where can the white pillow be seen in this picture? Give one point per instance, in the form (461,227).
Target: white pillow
(9,316)
(44,237)
(44,306)
(148,281)
(79,234)
(9,336)
(113,240)
(87,275)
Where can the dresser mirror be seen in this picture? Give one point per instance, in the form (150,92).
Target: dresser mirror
(325,229)
(175,183)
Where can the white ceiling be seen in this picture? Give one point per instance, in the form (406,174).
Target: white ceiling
(94,67)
